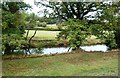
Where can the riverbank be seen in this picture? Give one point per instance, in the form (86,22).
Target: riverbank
(65,64)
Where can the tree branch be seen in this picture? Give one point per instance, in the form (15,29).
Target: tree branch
(32,36)
(72,9)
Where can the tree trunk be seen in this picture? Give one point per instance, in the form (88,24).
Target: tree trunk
(117,38)
(29,45)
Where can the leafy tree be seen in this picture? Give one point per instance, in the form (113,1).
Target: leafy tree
(107,27)
(75,32)
(12,27)
(110,21)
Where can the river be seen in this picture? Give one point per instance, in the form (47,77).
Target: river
(102,48)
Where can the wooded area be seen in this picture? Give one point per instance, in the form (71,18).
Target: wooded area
(70,24)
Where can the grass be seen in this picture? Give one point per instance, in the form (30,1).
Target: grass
(44,35)
(76,64)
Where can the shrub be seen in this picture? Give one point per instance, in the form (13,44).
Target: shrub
(43,24)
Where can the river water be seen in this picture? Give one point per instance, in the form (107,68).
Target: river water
(102,48)
(53,50)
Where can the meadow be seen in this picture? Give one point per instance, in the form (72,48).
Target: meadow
(72,64)
(43,34)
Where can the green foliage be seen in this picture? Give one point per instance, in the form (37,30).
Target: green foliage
(104,33)
(31,20)
(48,20)
(42,24)
(95,29)
(109,38)
(107,27)
(14,7)
(111,25)
(40,46)
(13,26)
(75,32)
(10,20)
(14,40)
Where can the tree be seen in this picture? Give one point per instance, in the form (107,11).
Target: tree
(12,27)
(110,17)
(107,27)
(66,10)
(32,21)
(75,32)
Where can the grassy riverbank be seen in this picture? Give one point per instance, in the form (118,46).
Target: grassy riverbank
(76,64)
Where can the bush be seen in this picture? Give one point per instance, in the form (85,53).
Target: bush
(12,42)
(43,24)
(109,38)
(110,41)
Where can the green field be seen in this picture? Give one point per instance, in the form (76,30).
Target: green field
(43,35)
(76,64)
